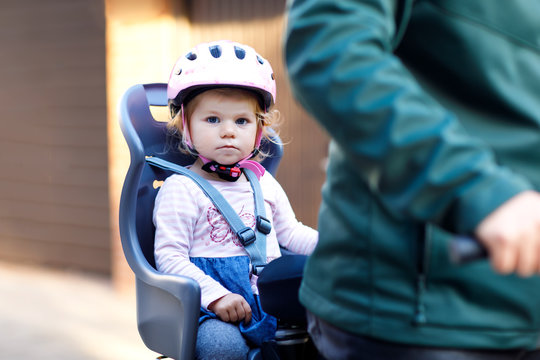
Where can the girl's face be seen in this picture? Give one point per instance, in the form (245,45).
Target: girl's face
(223,125)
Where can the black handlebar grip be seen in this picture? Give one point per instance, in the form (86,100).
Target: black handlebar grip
(464,249)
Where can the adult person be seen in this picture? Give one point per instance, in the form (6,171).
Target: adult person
(433,108)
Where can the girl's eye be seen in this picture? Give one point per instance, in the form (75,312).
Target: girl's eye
(242,121)
(212,120)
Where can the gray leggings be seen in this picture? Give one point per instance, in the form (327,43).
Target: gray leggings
(220,340)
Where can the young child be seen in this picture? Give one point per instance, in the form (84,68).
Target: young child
(220,95)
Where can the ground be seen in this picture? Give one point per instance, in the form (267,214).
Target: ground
(61,315)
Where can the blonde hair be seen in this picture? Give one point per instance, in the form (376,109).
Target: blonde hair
(269,121)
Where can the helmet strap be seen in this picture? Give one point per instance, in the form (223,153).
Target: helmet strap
(225,172)
(232,172)
(185,131)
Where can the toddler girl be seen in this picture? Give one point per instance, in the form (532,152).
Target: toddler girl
(220,96)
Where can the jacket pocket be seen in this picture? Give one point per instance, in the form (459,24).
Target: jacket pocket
(473,296)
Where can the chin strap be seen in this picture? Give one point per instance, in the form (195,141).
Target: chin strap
(254,166)
(233,172)
(225,172)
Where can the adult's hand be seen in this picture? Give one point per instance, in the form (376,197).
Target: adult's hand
(511,235)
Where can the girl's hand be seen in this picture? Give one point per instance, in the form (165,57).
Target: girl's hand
(231,308)
(511,235)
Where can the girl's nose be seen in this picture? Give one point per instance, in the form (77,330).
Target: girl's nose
(227,129)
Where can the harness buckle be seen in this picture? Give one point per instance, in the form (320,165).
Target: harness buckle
(263,225)
(246,236)
(257,269)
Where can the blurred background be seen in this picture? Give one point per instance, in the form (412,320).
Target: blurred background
(64,65)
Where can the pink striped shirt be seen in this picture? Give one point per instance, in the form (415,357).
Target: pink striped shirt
(189,225)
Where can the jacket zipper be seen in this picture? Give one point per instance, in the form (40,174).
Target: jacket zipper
(424,240)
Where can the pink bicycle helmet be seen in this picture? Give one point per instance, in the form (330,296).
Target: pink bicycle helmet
(221,64)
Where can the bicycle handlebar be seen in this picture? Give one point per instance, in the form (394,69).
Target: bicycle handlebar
(464,249)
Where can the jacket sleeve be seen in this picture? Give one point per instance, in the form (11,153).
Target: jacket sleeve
(412,152)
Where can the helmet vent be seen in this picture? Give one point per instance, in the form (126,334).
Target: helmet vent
(240,53)
(191,56)
(215,51)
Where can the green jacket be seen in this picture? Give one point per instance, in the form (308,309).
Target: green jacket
(434,112)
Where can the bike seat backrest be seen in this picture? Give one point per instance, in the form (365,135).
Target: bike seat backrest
(147,136)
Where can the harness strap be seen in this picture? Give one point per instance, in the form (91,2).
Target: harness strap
(253,242)
(262,224)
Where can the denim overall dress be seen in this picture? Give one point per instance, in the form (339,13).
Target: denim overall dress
(233,273)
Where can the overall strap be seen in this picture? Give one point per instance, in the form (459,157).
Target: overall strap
(253,242)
